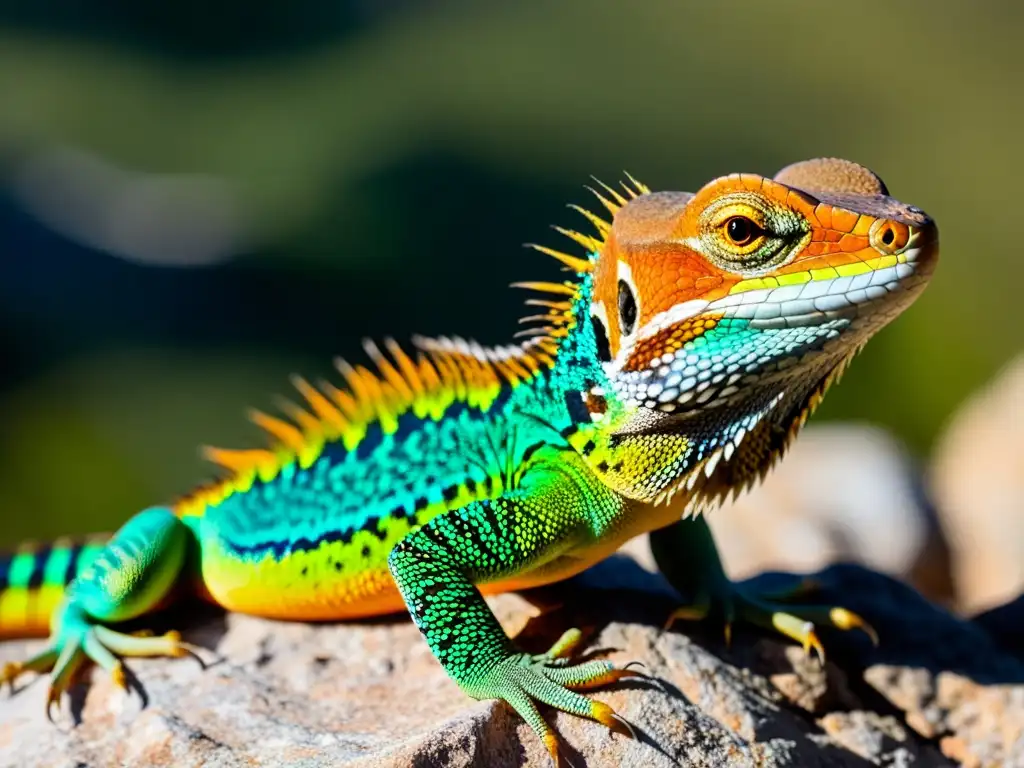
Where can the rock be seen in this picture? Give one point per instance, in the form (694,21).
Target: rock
(370,694)
(844,492)
(977,479)
(1005,624)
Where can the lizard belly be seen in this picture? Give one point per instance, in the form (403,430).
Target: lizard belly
(642,518)
(331,578)
(347,579)
(304,586)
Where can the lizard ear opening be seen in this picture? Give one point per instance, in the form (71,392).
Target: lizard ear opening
(627,308)
(604,347)
(831,174)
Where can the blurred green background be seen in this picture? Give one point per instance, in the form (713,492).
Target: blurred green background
(198,198)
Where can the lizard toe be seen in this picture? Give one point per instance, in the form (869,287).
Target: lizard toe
(523,679)
(772,611)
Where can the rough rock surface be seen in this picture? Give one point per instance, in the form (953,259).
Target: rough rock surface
(978,482)
(937,692)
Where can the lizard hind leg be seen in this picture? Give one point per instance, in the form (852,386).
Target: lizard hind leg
(132,576)
(686,554)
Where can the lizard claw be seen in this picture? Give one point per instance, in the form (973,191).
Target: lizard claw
(119,676)
(612,720)
(692,612)
(797,622)
(52,698)
(844,619)
(84,642)
(10,672)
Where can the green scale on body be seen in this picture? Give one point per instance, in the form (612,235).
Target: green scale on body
(698,334)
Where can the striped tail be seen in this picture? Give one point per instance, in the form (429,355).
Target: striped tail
(32,582)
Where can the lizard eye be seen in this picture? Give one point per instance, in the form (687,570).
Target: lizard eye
(742,231)
(747,233)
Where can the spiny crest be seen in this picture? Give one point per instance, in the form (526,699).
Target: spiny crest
(443,371)
(558,320)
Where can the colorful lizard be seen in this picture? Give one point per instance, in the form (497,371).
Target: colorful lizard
(698,333)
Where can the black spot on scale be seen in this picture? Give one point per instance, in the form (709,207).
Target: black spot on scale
(444,643)
(532,449)
(421,503)
(470,485)
(372,525)
(399,513)
(39,558)
(602,466)
(72,570)
(365,552)
(450,493)
(374,437)
(495,525)
(577,407)
(408,423)
(281,549)
(589,447)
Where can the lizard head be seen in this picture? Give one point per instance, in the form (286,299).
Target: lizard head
(712,310)
(698,297)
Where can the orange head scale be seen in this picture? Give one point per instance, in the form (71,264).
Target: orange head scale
(721,317)
(698,299)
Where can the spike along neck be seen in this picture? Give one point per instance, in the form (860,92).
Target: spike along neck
(607,430)
(636,448)
(564,321)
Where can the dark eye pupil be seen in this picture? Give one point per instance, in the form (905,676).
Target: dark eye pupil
(888,236)
(740,229)
(627,308)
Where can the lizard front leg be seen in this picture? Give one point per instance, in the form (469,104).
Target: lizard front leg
(437,566)
(133,575)
(686,554)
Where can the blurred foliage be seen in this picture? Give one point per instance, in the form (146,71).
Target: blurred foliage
(389,159)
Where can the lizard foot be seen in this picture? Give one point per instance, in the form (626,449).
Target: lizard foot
(772,610)
(77,641)
(523,679)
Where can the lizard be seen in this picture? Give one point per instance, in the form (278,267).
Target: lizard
(687,346)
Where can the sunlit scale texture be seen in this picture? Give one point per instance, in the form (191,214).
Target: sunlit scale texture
(672,370)
(32,581)
(306,534)
(712,366)
(437,566)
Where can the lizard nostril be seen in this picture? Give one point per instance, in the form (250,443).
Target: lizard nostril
(889,237)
